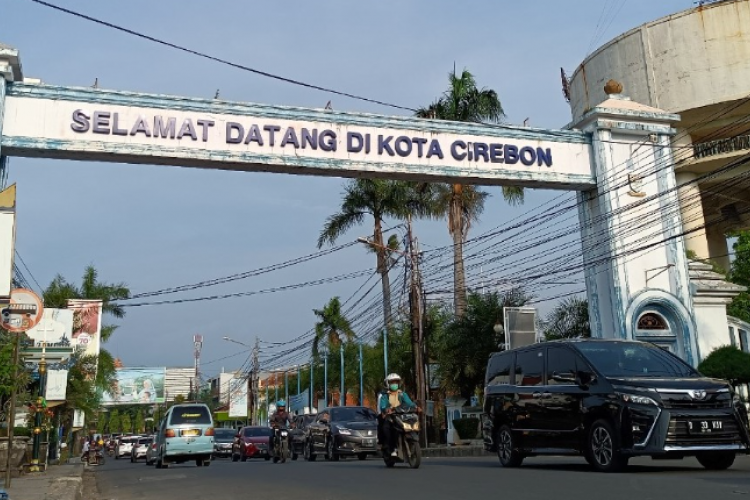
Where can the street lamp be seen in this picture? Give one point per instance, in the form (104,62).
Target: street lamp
(230,339)
(499,330)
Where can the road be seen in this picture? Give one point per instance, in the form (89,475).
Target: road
(437,479)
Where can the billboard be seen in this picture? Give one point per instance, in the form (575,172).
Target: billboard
(238,397)
(87,325)
(57,383)
(54,330)
(137,386)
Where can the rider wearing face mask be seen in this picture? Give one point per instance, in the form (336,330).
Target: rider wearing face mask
(393,398)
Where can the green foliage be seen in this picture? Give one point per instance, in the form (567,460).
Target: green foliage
(728,363)
(22,431)
(740,274)
(332,325)
(115,423)
(467,428)
(462,348)
(140,425)
(569,319)
(10,376)
(179,399)
(127,423)
(101,423)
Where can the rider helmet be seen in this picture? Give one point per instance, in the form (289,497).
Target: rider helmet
(280,403)
(392,377)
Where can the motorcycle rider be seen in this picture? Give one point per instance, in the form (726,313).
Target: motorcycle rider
(279,420)
(394,398)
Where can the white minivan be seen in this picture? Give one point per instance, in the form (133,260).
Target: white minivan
(186,433)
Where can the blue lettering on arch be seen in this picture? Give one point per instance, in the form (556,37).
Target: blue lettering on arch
(544,157)
(435,149)
(511,154)
(454,150)
(254,135)
(528,156)
(290,137)
(310,138)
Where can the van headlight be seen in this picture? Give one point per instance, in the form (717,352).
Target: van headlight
(637,399)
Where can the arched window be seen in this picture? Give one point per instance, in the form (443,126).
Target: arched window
(652,321)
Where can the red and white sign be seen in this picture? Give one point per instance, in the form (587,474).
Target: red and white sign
(24,311)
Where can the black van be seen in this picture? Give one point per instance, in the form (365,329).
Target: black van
(608,400)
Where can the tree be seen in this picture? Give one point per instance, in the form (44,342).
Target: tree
(58,293)
(728,363)
(115,424)
(379,199)
(11,377)
(140,426)
(463,204)
(569,319)
(127,424)
(332,325)
(740,274)
(462,348)
(101,422)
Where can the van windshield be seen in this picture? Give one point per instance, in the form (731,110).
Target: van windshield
(634,359)
(190,415)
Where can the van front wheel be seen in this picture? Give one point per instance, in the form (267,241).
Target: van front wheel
(716,460)
(603,448)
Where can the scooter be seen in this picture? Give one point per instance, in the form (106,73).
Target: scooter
(406,423)
(94,457)
(280,445)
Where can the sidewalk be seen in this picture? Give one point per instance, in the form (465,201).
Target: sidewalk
(58,482)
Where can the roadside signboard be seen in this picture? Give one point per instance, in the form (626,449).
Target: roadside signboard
(24,311)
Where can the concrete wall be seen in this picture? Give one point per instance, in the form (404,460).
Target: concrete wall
(691,59)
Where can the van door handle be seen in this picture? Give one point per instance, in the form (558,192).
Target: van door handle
(536,395)
(546,395)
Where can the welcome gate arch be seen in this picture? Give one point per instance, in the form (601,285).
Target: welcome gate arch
(48,121)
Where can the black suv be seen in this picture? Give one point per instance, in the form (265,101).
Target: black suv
(608,400)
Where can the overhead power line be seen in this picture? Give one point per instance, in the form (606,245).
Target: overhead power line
(219,59)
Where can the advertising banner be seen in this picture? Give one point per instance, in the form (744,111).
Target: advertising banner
(238,397)
(137,386)
(54,330)
(87,325)
(298,402)
(57,383)
(79,419)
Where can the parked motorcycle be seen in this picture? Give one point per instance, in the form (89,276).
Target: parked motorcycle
(406,423)
(280,445)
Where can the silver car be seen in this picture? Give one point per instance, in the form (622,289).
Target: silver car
(125,446)
(140,448)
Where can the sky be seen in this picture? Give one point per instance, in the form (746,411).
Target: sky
(145,226)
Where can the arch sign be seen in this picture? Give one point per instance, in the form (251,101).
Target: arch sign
(593,156)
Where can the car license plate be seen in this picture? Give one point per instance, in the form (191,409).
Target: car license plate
(704,426)
(190,440)
(369,442)
(191,432)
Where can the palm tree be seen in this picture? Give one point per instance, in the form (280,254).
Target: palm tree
(463,204)
(58,293)
(379,199)
(332,325)
(569,319)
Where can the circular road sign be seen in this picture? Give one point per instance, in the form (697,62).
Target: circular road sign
(23,312)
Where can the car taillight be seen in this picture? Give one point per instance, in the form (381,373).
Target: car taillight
(209,431)
(170,433)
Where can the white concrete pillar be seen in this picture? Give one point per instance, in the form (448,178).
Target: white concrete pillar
(691,209)
(718,248)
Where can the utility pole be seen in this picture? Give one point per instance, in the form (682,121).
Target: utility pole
(254,407)
(198,345)
(417,342)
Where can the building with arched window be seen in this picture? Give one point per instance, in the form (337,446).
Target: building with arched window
(696,64)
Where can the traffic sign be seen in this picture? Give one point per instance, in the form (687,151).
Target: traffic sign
(24,311)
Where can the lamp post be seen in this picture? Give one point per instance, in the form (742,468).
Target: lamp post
(499,329)
(312,386)
(325,377)
(40,405)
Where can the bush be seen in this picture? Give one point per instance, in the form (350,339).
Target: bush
(467,428)
(728,363)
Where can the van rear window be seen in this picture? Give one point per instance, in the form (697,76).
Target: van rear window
(190,415)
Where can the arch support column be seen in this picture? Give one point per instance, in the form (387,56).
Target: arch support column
(632,230)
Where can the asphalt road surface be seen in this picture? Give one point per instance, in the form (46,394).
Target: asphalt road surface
(437,479)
